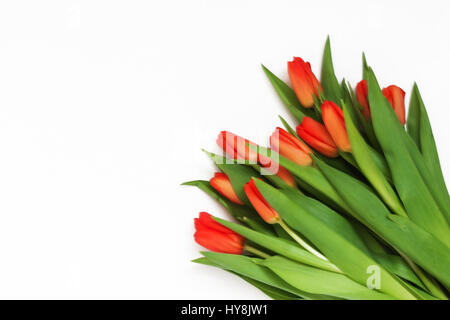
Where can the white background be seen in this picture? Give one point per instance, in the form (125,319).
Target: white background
(104,106)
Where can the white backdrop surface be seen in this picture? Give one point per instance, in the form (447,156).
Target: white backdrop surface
(104,106)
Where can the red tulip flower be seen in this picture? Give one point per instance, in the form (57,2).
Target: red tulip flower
(316,135)
(361,96)
(215,237)
(221,183)
(396,97)
(290,147)
(286,176)
(304,82)
(261,206)
(333,118)
(237,147)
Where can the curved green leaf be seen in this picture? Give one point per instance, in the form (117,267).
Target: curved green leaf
(247,267)
(419,245)
(328,79)
(416,197)
(288,97)
(363,156)
(242,213)
(272,292)
(419,128)
(280,246)
(238,174)
(343,253)
(319,281)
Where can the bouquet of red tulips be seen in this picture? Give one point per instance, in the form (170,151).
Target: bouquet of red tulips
(348,205)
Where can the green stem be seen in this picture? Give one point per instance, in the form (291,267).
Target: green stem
(300,241)
(256,251)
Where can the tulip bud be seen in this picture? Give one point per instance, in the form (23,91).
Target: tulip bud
(286,176)
(260,204)
(396,97)
(361,96)
(237,147)
(290,147)
(221,183)
(316,135)
(215,237)
(304,82)
(333,118)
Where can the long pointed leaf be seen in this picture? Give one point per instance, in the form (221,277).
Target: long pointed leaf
(416,197)
(272,292)
(343,253)
(241,213)
(362,153)
(419,245)
(320,282)
(279,246)
(419,129)
(288,97)
(247,267)
(328,79)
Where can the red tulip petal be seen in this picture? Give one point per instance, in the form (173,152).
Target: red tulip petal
(221,183)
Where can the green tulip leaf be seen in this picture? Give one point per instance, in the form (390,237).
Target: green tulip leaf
(288,97)
(288,127)
(280,246)
(419,128)
(419,245)
(318,281)
(328,80)
(309,175)
(411,187)
(369,166)
(241,213)
(248,267)
(239,174)
(272,292)
(347,256)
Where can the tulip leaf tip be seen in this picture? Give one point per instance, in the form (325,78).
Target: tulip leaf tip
(210,154)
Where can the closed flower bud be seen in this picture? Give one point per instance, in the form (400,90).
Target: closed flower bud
(333,118)
(215,237)
(304,82)
(286,176)
(316,136)
(237,147)
(221,183)
(396,97)
(290,147)
(260,204)
(361,96)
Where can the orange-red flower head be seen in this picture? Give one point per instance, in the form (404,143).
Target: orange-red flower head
(304,82)
(290,147)
(333,118)
(260,204)
(215,237)
(361,96)
(222,184)
(316,135)
(236,147)
(396,97)
(286,176)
